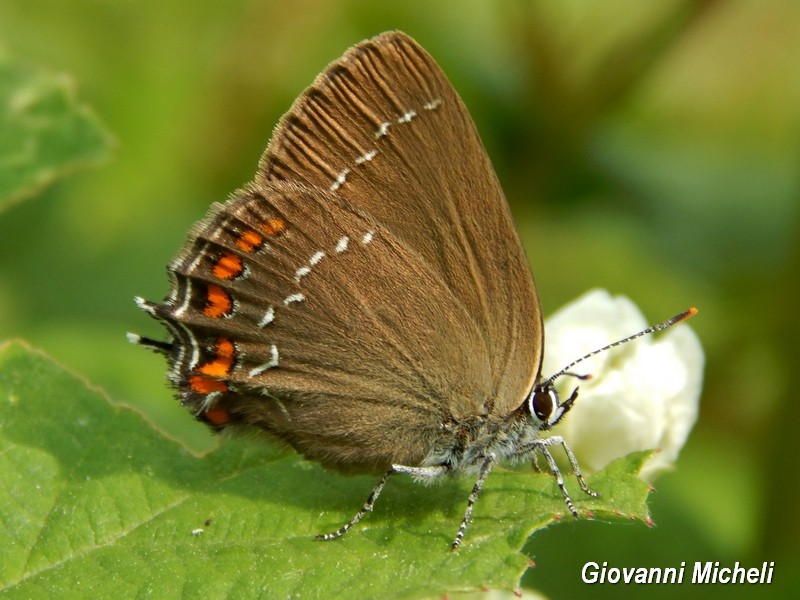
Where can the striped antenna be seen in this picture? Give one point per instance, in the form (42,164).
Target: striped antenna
(652,329)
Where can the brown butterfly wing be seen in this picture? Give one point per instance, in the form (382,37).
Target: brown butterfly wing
(367,298)
(323,329)
(384,128)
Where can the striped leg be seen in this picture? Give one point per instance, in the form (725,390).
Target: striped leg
(473,496)
(360,514)
(543,447)
(419,473)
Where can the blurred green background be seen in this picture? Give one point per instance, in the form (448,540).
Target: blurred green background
(650,148)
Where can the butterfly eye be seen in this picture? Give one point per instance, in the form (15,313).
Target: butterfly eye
(543,402)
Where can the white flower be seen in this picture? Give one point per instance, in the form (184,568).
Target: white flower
(643,395)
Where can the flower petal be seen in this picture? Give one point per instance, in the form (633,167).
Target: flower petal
(642,395)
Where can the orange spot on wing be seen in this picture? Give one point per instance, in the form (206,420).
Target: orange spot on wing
(209,374)
(222,363)
(219,302)
(217,416)
(228,266)
(225,348)
(219,367)
(205,385)
(249,240)
(273,227)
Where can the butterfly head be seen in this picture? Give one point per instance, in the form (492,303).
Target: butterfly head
(545,407)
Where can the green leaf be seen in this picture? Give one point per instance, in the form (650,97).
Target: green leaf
(95,501)
(44,131)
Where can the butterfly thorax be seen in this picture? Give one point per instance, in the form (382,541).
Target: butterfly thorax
(465,446)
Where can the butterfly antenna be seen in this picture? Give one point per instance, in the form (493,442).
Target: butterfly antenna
(652,329)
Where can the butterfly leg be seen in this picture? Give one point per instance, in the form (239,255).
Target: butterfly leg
(576,469)
(543,447)
(421,474)
(473,497)
(376,491)
(424,474)
(535,462)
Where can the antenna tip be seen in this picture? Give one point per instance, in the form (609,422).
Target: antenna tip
(681,317)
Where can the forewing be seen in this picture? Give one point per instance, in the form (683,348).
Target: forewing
(383,127)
